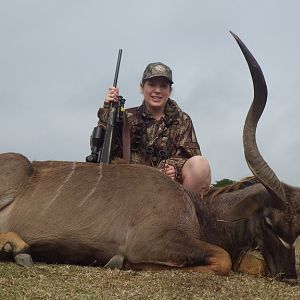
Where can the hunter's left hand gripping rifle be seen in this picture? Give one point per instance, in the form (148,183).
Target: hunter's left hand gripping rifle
(102,140)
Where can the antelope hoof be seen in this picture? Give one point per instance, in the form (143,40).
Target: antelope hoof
(7,248)
(116,262)
(24,259)
(291,281)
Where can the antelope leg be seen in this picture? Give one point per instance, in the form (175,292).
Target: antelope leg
(250,263)
(116,262)
(177,250)
(11,242)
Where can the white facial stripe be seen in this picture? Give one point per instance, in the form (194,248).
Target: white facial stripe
(268,220)
(286,244)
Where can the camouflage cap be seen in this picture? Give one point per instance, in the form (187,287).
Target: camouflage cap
(157,69)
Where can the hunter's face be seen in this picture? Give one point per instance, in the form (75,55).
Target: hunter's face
(156,93)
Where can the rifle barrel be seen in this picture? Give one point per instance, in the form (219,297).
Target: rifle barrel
(117,68)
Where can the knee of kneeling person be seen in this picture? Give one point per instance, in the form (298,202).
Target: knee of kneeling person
(196,174)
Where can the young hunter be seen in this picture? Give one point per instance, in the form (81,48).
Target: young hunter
(161,134)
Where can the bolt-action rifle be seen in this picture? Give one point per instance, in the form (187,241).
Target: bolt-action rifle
(102,140)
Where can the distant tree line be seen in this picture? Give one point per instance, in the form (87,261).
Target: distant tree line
(223,182)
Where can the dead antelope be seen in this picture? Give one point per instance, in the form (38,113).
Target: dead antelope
(132,216)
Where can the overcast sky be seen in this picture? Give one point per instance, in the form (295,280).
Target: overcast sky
(58,57)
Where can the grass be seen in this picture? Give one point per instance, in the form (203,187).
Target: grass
(74,282)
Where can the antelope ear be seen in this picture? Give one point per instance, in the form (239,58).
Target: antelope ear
(243,210)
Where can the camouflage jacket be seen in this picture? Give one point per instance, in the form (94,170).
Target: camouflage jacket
(169,140)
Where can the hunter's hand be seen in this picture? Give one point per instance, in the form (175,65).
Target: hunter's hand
(112,95)
(170,171)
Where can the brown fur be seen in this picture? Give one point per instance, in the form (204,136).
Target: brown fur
(86,213)
(214,192)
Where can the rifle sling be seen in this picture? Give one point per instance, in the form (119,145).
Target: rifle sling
(126,139)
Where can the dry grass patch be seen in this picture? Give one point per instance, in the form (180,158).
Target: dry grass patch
(73,282)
